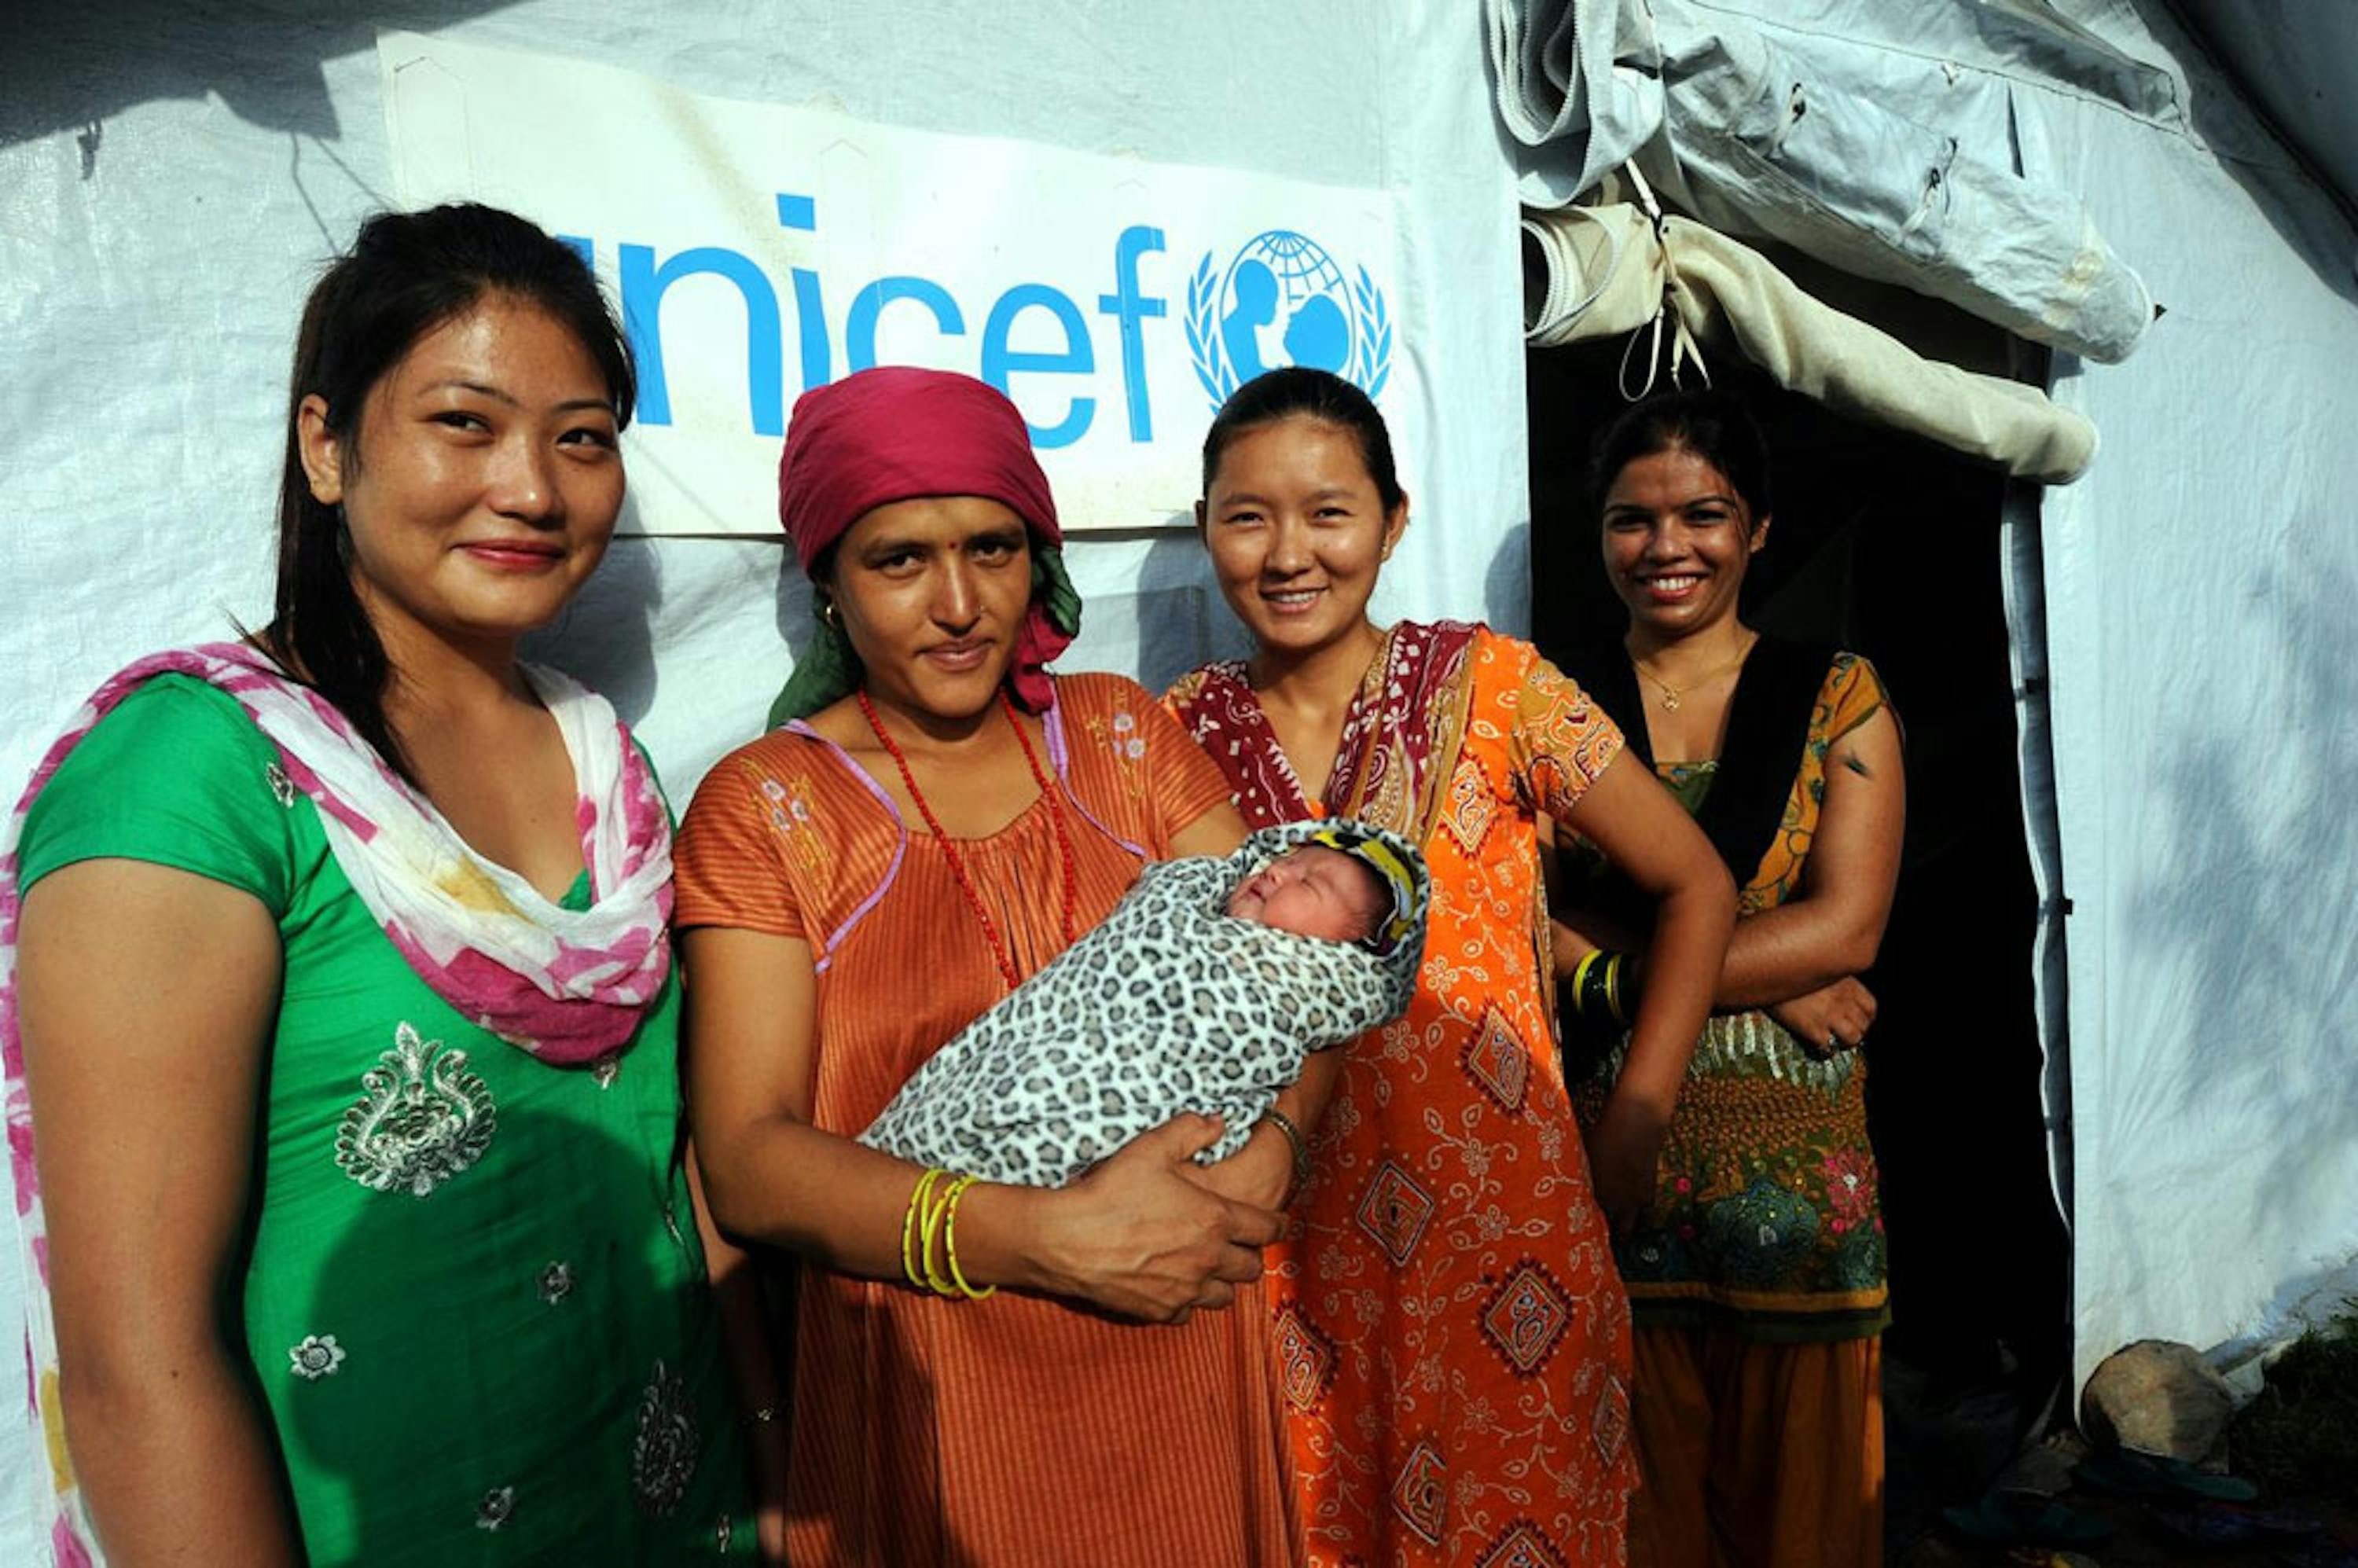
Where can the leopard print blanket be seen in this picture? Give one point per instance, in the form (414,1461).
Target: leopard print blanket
(1167,1005)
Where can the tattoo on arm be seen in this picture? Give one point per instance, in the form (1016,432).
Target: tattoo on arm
(1851,760)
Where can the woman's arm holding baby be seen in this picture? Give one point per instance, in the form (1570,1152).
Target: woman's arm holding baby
(1267,1172)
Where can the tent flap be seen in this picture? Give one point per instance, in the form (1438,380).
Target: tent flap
(1576,75)
(1607,273)
(1891,163)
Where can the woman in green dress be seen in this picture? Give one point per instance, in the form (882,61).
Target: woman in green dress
(1756,1280)
(341,1031)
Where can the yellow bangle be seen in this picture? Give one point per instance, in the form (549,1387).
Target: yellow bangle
(949,1245)
(936,1215)
(1580,973)
(910,1230)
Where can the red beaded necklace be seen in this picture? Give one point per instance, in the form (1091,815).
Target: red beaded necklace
(998,949)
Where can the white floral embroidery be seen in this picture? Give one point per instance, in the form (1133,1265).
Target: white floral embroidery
(555,1282)
(663,1452)
(497,1507)
(280,785)
(606,1070)
(317,1356)
(724,1531)
(422,1118)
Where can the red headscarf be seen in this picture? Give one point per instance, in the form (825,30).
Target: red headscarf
(897,432)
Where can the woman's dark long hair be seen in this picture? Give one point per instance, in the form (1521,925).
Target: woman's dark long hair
(1300,392)
(1714,426)
(407,273)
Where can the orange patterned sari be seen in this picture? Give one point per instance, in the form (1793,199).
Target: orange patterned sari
(1453,1341)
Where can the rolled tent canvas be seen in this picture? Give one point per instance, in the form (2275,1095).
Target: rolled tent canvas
(1609,271)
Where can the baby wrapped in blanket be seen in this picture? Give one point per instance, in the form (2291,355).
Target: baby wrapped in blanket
(1205,990)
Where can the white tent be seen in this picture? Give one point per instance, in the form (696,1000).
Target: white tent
(170,176)
(2184,642)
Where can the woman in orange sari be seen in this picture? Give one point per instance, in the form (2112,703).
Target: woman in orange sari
(1452,1340)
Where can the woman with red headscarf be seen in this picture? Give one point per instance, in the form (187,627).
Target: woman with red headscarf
(935,818)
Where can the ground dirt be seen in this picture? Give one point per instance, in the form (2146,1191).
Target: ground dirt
(2137,1541)
(2297,1441)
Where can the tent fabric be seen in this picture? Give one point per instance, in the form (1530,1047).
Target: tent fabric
(2186,660)
(2298,59)
(1853,141)
(1607,273)
(2203,666)
(1578,78)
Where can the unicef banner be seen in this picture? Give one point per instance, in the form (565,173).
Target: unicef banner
(758,250)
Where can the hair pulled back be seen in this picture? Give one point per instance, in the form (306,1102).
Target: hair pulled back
(407,273)
(1300,392)
(1714,426)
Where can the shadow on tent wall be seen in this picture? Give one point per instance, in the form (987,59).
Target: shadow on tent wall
(67,66)
(1889,547)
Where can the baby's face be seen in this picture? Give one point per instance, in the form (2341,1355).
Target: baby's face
(1314,892)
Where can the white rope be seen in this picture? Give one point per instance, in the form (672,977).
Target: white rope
(1684,347)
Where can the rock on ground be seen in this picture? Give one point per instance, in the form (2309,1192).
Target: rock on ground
(2158,1397)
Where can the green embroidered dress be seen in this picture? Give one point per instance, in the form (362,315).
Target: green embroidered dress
(475,1303)
(1767,1221)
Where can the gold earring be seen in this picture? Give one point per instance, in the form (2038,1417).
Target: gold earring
(828,616)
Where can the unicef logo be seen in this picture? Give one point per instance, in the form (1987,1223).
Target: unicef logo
(1282,301)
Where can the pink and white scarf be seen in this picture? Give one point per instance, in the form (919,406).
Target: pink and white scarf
(568,986)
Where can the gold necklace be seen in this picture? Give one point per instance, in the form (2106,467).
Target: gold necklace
(1671,694)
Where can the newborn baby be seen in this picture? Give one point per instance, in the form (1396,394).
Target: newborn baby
(1316,891)
(1205,990)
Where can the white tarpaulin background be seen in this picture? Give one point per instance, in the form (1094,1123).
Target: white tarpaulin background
(172,175)
(2202,642)
(2182,617)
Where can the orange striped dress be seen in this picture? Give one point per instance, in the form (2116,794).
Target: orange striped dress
(1014,1430)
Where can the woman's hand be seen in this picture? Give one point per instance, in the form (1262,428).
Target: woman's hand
(1141,1235)
(1654,843)
(1624,1151)
(752,1364)
(1137,1236)
(768,1447)
(1259,1175)
(1262,1174)
(1828,1021)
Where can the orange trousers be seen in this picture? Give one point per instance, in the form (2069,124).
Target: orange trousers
(1756,1456)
